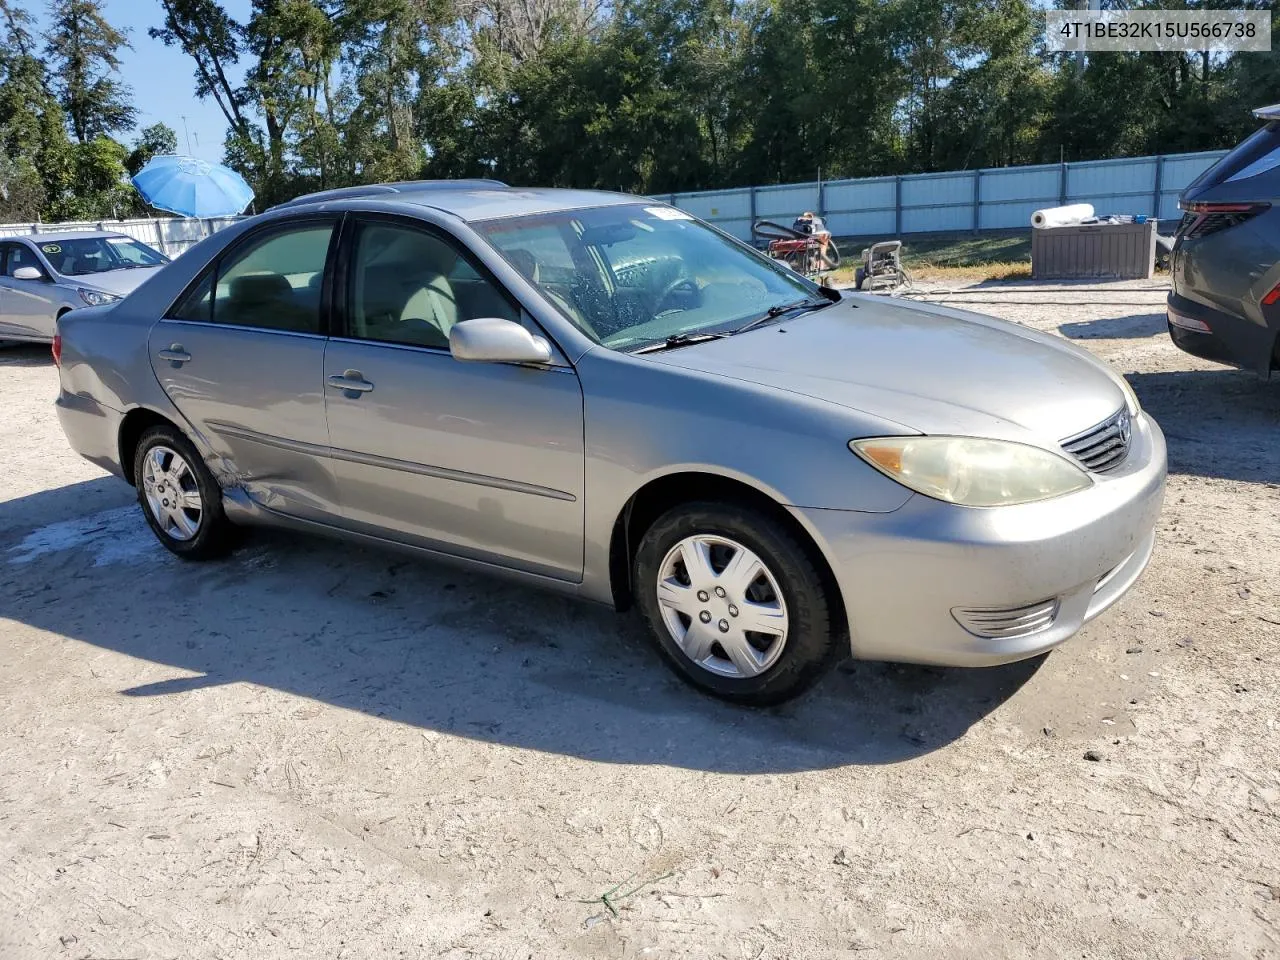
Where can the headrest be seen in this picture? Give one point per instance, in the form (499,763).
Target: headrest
(523,261)
(260,288)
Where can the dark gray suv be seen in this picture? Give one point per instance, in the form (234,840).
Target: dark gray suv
(1225,303)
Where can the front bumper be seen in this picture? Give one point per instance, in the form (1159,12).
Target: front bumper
(902,574)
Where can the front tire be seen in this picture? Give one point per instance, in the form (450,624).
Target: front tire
(734,602)
(179,496)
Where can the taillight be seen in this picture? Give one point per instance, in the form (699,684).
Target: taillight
(1219,207)
(1203,219)
(57,349)
(1273,297)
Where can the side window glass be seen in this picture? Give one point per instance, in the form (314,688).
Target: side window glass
(275,283)
(409,286)
(20,256)
(5,248)
(198,303)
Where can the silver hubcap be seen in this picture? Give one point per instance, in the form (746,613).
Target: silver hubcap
(722,606)
(172,494)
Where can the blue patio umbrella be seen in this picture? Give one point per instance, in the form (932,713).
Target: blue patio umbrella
(192,188)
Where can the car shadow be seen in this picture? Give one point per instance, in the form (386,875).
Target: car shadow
(425,644)
(14,353)
(1133,327)
(1217,423)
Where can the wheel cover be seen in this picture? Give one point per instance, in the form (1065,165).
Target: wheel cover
(722,606)
(172,494)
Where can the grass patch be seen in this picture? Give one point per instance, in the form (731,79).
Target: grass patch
(963,257)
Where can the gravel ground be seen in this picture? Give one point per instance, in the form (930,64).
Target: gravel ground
(319,751)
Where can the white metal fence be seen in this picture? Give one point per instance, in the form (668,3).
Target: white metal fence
(991,199)
(997,198)
(171,236)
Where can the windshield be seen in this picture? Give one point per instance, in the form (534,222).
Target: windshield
(77,258)
(635,274)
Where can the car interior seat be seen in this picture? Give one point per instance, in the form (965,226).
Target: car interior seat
(403,292)
(266,300)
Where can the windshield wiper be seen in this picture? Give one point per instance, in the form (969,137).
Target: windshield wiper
(680,340)
(773,313)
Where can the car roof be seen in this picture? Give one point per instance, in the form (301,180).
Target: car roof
(468,200)
(53,235)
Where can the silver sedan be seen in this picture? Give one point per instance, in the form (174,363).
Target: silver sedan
(44,275)
(602,395)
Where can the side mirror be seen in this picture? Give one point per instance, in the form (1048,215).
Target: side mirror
(494,340)
(28,273)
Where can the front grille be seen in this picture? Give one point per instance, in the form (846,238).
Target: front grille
(1007,623)
(1102,447)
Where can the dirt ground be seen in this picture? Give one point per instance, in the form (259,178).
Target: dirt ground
(312,750)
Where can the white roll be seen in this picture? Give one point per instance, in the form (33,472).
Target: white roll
(1062,216)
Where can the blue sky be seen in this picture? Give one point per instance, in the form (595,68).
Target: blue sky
(162,78)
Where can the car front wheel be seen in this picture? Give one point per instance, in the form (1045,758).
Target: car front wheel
(735,602)
(179,496)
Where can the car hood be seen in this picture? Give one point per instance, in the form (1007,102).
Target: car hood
(932,369)
(120,282)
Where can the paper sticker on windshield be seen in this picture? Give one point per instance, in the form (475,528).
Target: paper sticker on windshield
(51,248)
(119,240)
(667,213)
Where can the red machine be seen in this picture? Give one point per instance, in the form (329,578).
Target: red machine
(805,246)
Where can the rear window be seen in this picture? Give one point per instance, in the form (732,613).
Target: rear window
(1254,156)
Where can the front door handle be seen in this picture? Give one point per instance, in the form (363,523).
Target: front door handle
(175,355)
(352,382)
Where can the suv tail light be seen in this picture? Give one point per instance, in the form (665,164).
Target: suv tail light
(1203,219)
(1272,297)
(57,349)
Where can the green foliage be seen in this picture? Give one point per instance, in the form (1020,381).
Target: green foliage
(156,140)
(84,57)
(648,96)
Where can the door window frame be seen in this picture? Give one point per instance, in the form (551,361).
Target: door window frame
(342,327)
(213,269)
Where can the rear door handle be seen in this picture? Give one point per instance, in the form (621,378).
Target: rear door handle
(350,382)
(175,355)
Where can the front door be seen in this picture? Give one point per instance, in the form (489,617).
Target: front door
(28,308)
(482,460)
(241,356)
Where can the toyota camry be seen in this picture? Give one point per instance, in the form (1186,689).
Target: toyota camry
(602,395)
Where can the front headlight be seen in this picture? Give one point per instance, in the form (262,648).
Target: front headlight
(971,471)
(96,298)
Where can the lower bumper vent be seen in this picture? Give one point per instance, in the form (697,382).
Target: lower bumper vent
(1007,623)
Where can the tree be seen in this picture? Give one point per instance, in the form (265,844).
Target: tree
(204,32)
(33,136)
(156,140)
(83,51)
(295,45)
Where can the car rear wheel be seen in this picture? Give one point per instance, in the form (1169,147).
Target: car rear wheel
(734,602)
(179,496)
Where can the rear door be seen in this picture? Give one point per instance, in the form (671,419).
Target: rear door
(481,460)
(241,355)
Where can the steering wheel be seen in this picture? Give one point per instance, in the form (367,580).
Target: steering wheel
(687,284)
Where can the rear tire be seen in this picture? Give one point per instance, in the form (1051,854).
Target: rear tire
(744,569)
(179,496)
